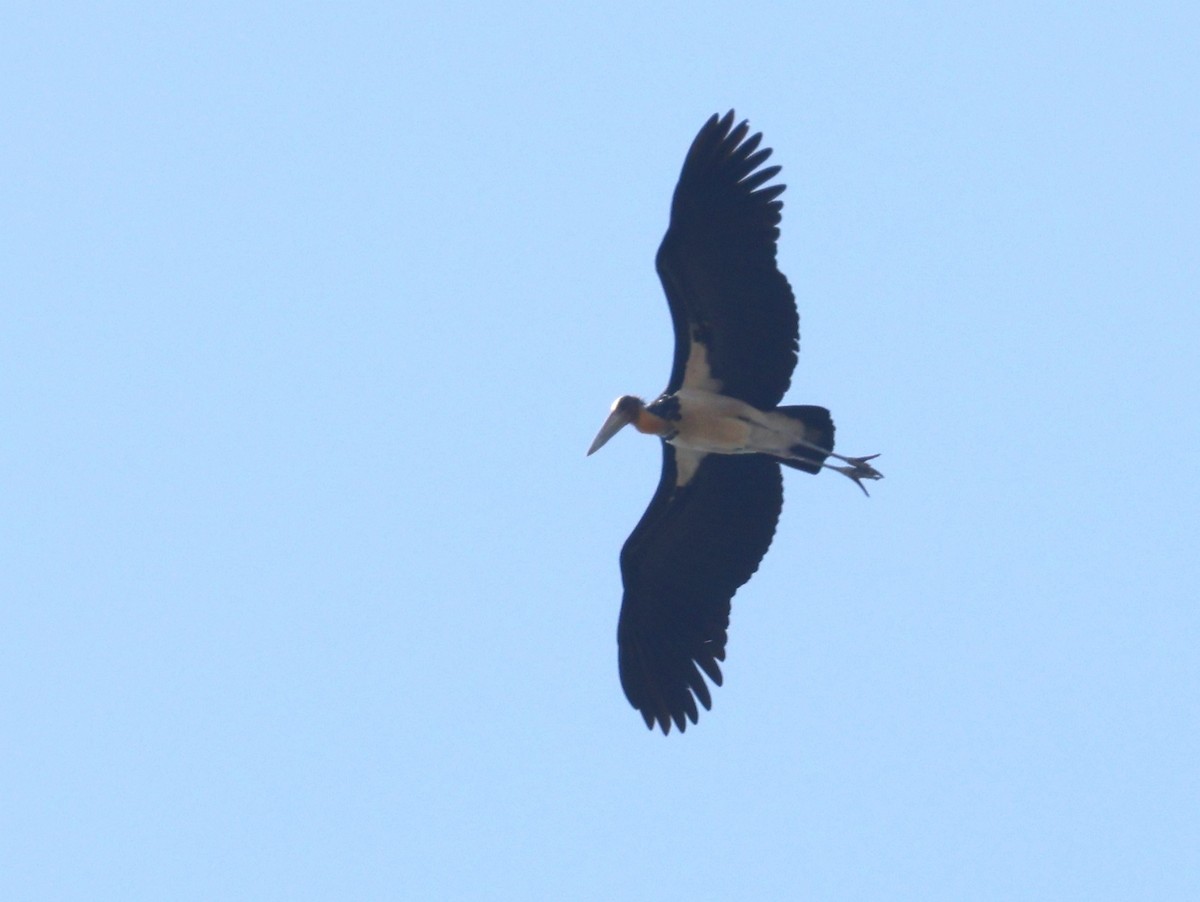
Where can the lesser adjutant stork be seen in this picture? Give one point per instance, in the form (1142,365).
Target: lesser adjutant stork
(724,435)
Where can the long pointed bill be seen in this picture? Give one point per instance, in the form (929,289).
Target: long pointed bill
(616,420)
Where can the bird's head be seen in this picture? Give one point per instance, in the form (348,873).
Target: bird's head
(625,410)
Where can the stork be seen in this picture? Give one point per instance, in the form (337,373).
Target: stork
(724,435)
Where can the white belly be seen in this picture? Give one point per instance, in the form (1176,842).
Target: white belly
(717,424)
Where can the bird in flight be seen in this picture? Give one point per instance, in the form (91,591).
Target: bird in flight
(724,434)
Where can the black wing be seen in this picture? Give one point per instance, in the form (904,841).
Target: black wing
(717,265)
(692,549)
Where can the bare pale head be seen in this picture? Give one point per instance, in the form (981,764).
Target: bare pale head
(624,411)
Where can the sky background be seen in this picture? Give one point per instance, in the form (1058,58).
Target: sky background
(309,313)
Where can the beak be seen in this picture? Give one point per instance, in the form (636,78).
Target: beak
(616,420)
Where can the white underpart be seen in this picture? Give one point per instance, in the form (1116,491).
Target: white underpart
(710,423)
(697,374)
(722,425)
(686,461)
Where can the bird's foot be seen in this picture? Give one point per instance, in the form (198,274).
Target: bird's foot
(859,470)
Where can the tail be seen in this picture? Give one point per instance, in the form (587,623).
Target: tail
(818,429)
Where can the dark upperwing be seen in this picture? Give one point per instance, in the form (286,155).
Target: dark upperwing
(717,266)
(692,549)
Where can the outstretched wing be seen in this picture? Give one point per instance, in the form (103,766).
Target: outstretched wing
(695,545)
(735,320)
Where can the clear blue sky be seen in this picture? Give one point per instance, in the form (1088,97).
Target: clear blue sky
(309,592)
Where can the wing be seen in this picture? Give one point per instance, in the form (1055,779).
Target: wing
(736,327)
(694,546)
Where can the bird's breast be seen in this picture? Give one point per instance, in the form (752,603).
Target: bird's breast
(714,423)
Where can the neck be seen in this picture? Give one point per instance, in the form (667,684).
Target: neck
(650,424)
